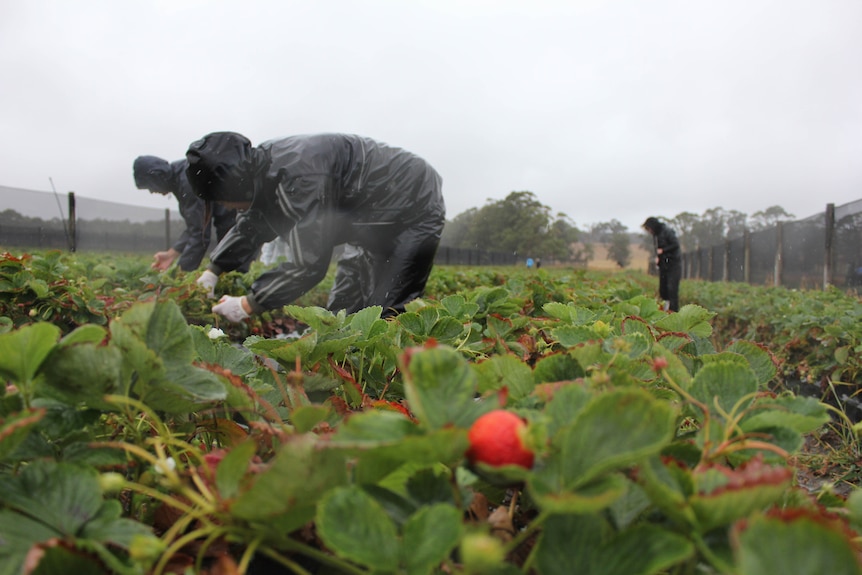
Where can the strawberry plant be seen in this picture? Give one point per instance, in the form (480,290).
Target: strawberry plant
(155,442)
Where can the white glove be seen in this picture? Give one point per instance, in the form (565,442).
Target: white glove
(208,280)
(230,307)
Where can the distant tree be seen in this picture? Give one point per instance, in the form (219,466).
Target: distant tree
(768,218)
(735,224)
(519,223)
(685,225)
(619,250)
(561,238)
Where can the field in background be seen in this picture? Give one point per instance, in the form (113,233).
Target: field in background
(639,258)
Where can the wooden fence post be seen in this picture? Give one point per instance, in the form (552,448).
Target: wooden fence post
(828,255)
(72,239)
(725,272)
(167,229)
(779,253)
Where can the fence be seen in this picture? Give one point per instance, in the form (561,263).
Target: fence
(819,251)
(97,225)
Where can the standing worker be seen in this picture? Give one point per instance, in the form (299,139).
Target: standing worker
(317,192)
(668,261)
(160,177)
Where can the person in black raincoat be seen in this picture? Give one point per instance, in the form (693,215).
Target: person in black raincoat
(383,203)
(668,261)
(161,177)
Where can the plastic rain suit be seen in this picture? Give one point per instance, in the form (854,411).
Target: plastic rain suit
(159,176)
(318,192)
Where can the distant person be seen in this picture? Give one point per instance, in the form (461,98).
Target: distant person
(538,263)
(668,261)
(530,263)
(160,177)
(318,192)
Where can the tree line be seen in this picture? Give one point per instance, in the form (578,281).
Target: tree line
(521,224)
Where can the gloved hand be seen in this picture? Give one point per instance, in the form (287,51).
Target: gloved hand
(230,307)
(208,280)
(163,260)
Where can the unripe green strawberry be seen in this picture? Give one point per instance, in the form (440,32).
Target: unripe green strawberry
(111,482)
(497,438)
(481,553)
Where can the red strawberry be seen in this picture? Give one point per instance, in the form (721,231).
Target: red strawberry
(497,438)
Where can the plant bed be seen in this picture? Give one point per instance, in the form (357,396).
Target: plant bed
(152,443)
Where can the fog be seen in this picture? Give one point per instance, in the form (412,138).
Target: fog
(604,110)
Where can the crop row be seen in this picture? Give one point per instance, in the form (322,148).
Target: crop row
(139,437)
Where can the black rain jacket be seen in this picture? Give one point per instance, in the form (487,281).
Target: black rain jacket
(666,240)
(320,191)
(156,174)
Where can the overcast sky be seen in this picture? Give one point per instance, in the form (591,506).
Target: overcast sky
(603,109)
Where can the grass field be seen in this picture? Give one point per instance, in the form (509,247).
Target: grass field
(639,258)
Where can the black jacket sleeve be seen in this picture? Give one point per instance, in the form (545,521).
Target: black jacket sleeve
(194,241)
(241,242)
(668,243)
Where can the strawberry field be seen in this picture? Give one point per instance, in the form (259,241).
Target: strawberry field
(140,436)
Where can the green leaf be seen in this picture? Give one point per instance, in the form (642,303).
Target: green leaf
(614,430)
(412,323)
(725,505)
(233,468)
(366,321)
(63,496)
(356,527)
(545,486)
(761,361)
(429,537)
(725,383)
(691,319)
(18,534)
(572,335)
(801,545)
(15,428)
(440,388)
(446,329)
(386,438)
(85,334)
(288,490)
(286,352)
(168,335)
(319,319)
(239,360)
(505,371)
(584,544)
(306,417)
(82,374)
(457,306)
(570,313)
(801,414)
(557,367)
(23,351)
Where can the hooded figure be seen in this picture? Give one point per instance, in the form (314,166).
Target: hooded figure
(160,177)
(318,192)
(667,259)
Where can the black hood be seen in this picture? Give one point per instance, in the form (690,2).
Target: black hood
(153,173)
(222,167)
(653,224)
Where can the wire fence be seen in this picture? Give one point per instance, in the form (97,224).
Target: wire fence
(816,252)
(85,224)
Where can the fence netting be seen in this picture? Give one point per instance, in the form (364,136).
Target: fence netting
(34,219)
(820,250)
